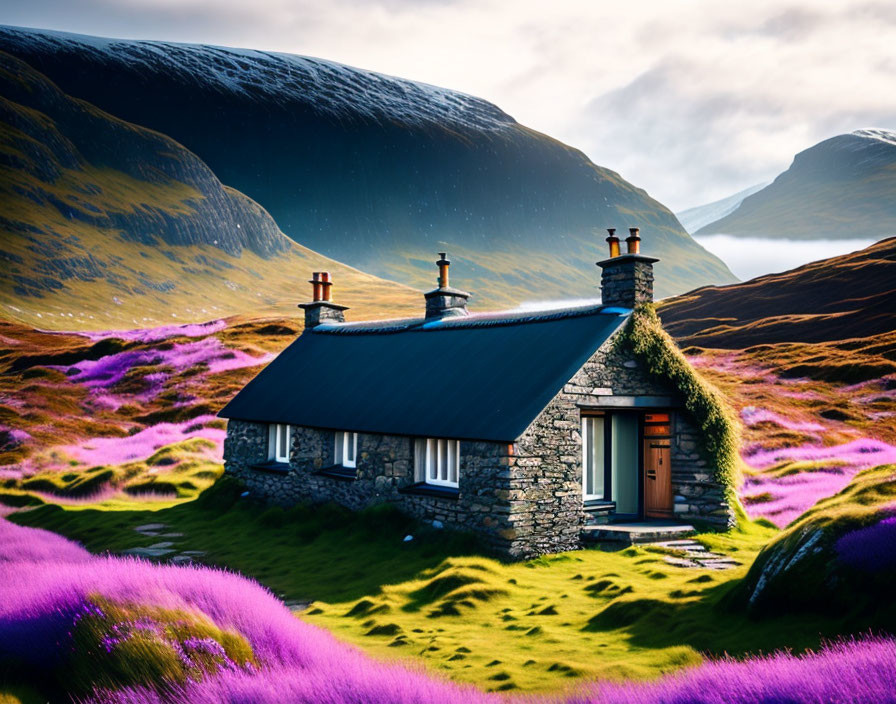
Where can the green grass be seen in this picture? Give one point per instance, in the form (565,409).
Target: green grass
(533,626)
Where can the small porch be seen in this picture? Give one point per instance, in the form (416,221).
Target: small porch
(632,532)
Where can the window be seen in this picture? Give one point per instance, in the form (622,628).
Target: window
(346,451)
(438,461)
(278,443)
(593,462)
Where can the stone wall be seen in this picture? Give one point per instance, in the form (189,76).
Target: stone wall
(385,465)
(546,469)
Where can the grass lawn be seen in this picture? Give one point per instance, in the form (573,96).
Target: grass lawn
(536,625)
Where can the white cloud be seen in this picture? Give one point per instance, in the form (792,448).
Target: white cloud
(692,100)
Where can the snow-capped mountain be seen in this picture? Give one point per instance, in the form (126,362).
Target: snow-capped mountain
(694,218)
(376,171)
(843,187)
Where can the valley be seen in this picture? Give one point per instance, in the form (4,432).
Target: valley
(115,431)
(374,171)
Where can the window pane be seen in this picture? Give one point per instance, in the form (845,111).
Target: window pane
(281,443)
(431,464)
(593,457)
(452,461)
(350,440)
(337,448)
(420,460)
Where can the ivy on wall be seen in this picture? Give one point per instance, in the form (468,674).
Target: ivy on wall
(720,429)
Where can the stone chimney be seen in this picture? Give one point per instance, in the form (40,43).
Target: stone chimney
(322,309)
(444,301)
(627,279)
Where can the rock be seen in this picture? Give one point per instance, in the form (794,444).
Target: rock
(408,538)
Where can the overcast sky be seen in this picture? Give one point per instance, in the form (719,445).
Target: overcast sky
(690,99)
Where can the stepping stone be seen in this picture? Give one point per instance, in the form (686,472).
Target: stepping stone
(677,543)
(170,535)
(147,552)
(193,553)
(297,606)
(150,527)
(681,562)
(163,545)
(719,564)
(181,559)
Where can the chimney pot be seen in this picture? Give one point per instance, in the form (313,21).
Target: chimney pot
(633,240)
(613,241)
(443,265)
(321,309)
(315,286)
(325,285)
(444,301)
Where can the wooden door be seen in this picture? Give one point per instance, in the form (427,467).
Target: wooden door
(657,466)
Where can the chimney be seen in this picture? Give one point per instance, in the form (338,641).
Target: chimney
(444,301)
(627,279)
(321,309)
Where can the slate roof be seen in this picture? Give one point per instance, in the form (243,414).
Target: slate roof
(481,377)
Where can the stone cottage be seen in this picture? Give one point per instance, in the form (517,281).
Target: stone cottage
(527,428)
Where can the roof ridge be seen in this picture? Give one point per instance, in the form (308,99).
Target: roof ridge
(476,320)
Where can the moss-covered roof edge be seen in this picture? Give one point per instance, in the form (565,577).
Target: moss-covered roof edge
(718,423)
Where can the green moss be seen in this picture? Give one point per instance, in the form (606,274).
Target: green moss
(719,427)
(119,646)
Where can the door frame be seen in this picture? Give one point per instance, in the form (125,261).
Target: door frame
(643,439)
(607,413)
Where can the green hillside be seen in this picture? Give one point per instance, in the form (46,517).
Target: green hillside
(107,224)
(378,171)
(844,187)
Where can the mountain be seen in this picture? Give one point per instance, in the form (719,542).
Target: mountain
(107,224)
(843,187)
(694,218)
(840,298)
(376,171)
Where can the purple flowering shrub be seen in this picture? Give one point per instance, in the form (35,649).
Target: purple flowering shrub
(795,478)
(118,645)
(115,405)
(119,630)
(872,548)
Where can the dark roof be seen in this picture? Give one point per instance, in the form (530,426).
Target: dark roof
(481,377)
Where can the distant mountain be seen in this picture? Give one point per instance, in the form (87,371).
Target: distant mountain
(106,224)
(850,296)
(694,218)
(377,171)
(843,187)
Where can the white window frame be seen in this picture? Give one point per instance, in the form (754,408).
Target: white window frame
(438,461)
(589,472)
(345,451)
(276,452)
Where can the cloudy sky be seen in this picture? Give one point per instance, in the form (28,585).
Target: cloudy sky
(689,99)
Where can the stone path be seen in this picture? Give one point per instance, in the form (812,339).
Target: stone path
(165,548)
(693,554)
